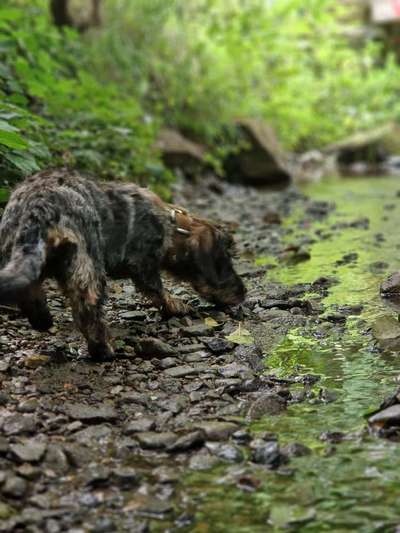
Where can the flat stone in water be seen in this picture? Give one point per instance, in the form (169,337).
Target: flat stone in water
(89,413)
(268,454)
(156,441)
(30,451)
(389,416)
(386,331)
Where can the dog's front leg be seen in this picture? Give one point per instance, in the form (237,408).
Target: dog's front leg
(152,287)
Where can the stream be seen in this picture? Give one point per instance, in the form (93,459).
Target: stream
(352,485)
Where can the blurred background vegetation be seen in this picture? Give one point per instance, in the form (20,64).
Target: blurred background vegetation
(96,99)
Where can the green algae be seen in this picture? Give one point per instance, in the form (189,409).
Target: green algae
(352,486)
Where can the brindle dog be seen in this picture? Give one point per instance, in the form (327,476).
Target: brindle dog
(58,224)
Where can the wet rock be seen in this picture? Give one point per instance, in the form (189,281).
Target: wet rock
(156,441)
(216,431)
(218,345)
(241,436)
(391,285)
(151,347)
(296,449)
(89,413)
(333,437)
(227,452)
(14,487)
(268,454)
(19,424)
(139,425)
(267,404)
(386,331)
(191,440)
(30,451)
(389,417)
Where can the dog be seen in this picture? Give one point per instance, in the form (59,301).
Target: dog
(61,225)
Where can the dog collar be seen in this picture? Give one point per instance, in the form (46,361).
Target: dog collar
(172,216)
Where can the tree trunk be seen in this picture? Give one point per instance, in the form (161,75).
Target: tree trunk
(61,16)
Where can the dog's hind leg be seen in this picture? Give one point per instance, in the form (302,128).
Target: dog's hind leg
(34,307)
(86,290)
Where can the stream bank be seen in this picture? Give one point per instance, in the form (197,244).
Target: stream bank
(240,421)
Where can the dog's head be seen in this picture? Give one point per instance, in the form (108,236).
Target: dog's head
(201,254)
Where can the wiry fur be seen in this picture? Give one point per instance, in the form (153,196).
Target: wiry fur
(59,224)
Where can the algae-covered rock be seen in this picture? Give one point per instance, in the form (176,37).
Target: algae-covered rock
(386,330)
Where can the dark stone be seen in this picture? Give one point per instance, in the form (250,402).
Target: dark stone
(270,404)
(91,413)
(150,347)
(219,345)
(268,454)
(296,449)
(126,478)
(189,441)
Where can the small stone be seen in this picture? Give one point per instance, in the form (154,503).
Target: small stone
(6,511)
(156,441)
(168,362)
(203,461)
(104,525)
(96,433)
(89,413)
(139,425)
(155,508)
(30,451)
(296,449)
(15,487)
(56,459)
(217,431)
(226,452)
(190,348)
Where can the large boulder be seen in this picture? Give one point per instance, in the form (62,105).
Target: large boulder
(178,152)
(262,160)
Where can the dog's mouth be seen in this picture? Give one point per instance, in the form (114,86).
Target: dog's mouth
(223,296)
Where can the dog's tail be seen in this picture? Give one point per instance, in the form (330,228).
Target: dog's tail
(23,269)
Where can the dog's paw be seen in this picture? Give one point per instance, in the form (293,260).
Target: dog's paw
(100,352)
(176,307)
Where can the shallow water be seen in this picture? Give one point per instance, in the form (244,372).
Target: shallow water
(355,486)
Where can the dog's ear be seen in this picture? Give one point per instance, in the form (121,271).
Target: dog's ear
(202,245)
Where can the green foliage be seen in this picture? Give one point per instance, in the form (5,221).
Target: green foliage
(53,111)
(203,63)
